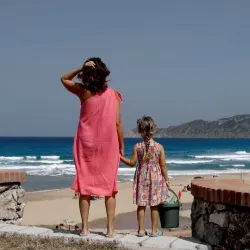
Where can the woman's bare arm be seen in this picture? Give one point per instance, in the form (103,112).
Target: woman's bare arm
(163,164)
(119,125)
(132,161)
(70,85)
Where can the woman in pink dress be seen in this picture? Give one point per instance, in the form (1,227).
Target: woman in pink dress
(99,139)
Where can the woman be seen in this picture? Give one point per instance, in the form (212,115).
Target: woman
(99,139)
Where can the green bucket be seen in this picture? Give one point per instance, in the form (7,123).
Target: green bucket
(170,212)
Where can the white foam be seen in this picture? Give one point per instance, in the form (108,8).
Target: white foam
(241,152)
(30,157)
(45,161)
(188,161)
(208,172)
(11,158)
(233,165)
(236,156)
(50,157)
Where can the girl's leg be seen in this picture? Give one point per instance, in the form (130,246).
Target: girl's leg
(110,203)
(154,219)
(84,204)
(140,218)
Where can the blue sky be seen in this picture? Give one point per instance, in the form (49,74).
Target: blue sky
(174,60)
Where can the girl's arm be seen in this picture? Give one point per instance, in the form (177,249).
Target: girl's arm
(163,165)
(132,161)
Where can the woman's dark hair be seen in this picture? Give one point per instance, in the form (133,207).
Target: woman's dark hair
(146,127)
(94,78)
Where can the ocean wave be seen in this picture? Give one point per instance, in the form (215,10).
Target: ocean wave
(236,156)
(45,161)
(126,172)
(208,172)
(11,158)
(30,157)
(123,173)
(233,165)
(188,161)
(50,157)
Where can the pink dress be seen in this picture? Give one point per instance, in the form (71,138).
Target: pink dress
(96,146)
(149,185)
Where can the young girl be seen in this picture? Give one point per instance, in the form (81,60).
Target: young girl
(151,178)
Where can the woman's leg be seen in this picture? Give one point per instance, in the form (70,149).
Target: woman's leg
(154,219)
(84,204)
(140,218)
(110,203)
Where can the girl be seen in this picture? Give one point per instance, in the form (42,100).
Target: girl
(151,178)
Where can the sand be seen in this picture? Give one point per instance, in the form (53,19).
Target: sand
(52,207)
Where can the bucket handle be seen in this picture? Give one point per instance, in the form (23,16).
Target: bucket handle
(173,192)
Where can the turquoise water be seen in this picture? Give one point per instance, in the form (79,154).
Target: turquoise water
(53,156)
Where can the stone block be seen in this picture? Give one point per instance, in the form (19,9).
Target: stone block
(12,229)
(189,243)
(4,225)
(36,231)
(103,238)
(221,219)
(159,242)
(132,240)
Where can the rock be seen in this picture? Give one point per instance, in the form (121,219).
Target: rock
(219,207)
(14,195)
(214,235)
(11,203)
(8,215)
(220,219)
(20,210)
(221,225)
(200,228)
(20,195)
(3,188)
(198,208)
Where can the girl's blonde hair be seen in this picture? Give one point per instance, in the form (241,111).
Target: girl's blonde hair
(146,127)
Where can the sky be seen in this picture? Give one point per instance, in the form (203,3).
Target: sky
(173,60)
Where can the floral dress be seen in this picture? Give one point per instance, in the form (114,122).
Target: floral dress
(149,187)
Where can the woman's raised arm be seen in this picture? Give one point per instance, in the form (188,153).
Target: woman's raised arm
(70,85)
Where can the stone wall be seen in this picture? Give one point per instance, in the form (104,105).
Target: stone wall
(12,195)
(221,213)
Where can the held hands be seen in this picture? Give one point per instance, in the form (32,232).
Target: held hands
(121,150)
(168,183)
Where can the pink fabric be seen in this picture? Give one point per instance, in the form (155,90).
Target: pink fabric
(96,147)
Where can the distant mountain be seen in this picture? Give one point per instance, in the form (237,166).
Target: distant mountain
(233,127)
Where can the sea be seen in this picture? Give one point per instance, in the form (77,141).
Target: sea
(49,163)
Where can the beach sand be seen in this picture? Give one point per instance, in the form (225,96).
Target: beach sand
(52,207)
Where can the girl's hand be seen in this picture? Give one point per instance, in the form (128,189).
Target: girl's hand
(168,183)
(89,64)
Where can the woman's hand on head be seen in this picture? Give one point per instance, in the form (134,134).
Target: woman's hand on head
(89,64)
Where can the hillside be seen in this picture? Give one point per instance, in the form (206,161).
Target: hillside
(233,127)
